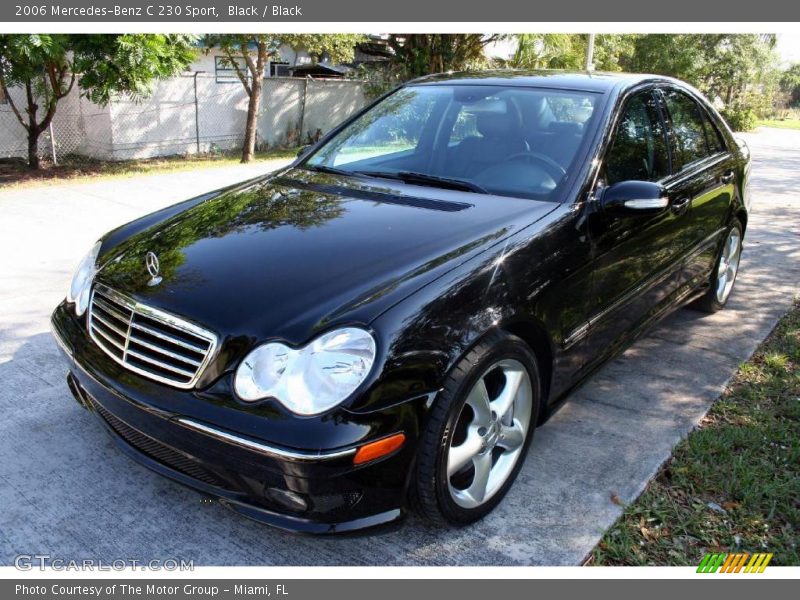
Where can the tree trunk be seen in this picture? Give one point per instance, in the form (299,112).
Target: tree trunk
(33,150)
(252,120)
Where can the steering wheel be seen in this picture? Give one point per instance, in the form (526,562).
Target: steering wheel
(555,170)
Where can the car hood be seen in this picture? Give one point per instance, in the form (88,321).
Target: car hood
(294,253)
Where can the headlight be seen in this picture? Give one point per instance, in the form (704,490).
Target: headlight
(311,379)
(81,285)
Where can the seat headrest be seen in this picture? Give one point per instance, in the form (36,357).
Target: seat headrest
(498,124)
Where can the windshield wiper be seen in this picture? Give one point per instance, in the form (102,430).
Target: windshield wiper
(431,180)
(331,170)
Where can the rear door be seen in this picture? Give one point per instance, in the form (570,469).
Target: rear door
(702,183)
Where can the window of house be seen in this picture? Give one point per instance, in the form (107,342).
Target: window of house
(279,69)
(689,129)
(224,70)
(639,149)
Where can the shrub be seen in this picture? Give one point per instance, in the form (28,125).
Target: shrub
(740,118)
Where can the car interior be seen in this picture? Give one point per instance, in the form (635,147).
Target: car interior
(512,141)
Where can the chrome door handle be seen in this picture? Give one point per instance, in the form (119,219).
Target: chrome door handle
(727,176)
(679,205)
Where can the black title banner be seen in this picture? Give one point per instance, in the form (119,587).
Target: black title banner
(452,11)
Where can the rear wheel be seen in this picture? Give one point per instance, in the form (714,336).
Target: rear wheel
(724,274)
(479,432)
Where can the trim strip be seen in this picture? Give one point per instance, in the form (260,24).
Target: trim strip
(272,451)
(582,330)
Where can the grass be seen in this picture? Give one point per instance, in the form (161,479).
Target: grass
(734,483)
(780,123)
(75,169)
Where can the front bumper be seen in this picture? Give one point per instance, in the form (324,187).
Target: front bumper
(311,486)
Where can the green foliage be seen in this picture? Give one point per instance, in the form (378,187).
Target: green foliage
(129,64)
(336,47)
(740,118)
(418,54)
(47,66)
(25,57)
(739,70)
(790,84)
(568,51)
(733,484)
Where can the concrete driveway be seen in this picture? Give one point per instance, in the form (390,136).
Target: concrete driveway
(66,491)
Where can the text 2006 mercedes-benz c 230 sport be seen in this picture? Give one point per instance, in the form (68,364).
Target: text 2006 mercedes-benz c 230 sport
(384,323)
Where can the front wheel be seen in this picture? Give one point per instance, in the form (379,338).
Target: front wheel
(478,433)
(724,274)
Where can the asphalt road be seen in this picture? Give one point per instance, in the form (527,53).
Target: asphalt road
(66,491)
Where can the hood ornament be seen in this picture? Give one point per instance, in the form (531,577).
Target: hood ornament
(153,267)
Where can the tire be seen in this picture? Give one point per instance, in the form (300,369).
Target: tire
(718,292)
(495,365)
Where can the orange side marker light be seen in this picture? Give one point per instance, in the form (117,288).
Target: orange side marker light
(379,448)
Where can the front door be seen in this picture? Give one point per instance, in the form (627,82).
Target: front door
(636,259)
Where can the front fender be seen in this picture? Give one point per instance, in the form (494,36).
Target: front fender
(426,335)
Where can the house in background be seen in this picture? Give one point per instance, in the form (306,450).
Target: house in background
(215,62)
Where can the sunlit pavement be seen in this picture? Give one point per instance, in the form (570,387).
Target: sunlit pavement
(66,491)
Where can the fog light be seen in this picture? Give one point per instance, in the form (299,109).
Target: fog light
(287,499)
(379,448)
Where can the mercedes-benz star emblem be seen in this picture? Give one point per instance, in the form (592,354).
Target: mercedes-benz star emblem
(151,262)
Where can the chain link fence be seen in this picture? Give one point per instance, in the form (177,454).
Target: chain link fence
(186,115)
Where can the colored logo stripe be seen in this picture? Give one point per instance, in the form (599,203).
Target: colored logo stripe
(734,563)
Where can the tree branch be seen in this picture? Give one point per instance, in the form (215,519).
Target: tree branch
(11,100)
(242,77)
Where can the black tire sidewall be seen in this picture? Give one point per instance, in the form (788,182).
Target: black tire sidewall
(482,356)
(713,303)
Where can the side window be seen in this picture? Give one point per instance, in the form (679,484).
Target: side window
(639,149)
(689,129)
(714,137)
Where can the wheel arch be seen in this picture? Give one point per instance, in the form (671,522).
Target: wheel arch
(535,335)
(741,215)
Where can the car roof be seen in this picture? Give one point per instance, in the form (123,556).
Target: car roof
(589,81)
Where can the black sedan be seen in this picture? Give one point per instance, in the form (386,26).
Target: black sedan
(384,323)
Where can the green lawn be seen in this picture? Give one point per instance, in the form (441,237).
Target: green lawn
(734,483)
(780,123)
(75,169)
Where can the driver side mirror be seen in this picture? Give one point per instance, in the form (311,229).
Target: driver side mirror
(629,198)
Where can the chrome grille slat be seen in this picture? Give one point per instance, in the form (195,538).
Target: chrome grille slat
(106,307)
(160,365)
(108,338)
(151,343)
(113,328)
(189,361)
(158,334)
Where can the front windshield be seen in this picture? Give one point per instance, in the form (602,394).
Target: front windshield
(510,141)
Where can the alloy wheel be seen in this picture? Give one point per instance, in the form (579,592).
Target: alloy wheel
(490,433)
(728,265)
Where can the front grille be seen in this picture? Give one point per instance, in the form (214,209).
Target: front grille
(156,450)
(147,341)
